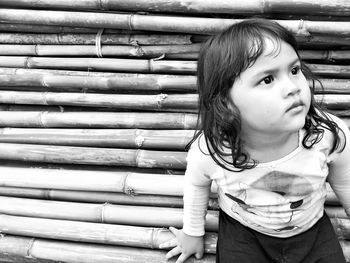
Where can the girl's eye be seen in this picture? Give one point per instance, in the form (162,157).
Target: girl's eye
(267,80)
(295,70)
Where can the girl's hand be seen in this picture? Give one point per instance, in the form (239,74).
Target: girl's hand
(184,245)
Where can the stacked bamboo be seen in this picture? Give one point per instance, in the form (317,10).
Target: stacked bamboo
(97,103)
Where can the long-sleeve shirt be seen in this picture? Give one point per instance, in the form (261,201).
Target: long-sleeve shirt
(280,198)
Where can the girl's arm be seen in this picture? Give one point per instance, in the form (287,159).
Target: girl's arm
(189,241)
(339,173)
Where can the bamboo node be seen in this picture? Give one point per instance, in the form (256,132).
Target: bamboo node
(160,57)
(137,51)
(103,208)
(101,5)
(160,98)
(131,21)
(29,248)
(44,95)
(130,192)
(329,56)
(302,30)
(98,44)
(139,140)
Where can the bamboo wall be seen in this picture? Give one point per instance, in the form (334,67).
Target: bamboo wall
(98,100)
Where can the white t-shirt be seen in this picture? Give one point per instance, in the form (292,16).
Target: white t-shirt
(280,198)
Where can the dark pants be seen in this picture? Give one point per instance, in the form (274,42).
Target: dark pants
(240,244)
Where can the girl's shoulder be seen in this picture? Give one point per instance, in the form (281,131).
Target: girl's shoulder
(328,137)
(199,155)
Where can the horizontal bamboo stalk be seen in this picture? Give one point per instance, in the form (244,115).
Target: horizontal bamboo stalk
(122,138)
(138,65)
(332,86)
(110,84)
(60,108)
(188,51)
(168,51)
(9,258)
(192,25)
(133,102)
(333,210)
(51,29)
(341,227)
(100,213)
(109,234)
(128,120)
(135,183)
(326,55)
(341,8)
(60,80)
(102,64)
(98,197)
(90,39)
(334,101)
(93,156)
(119,101)
(78,252)
(341,71)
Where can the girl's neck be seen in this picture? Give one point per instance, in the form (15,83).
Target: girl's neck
(266,148)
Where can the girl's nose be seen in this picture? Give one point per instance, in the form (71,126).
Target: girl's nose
(290,87)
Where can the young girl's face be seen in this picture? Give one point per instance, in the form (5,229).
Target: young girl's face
(272,95)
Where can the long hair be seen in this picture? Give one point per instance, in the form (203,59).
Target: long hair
(222,59)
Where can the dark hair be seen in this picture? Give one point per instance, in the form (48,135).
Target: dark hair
(222,59)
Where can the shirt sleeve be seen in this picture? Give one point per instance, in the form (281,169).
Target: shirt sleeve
(196,190)
(339,169)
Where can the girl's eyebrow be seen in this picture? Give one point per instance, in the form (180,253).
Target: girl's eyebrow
(274,70)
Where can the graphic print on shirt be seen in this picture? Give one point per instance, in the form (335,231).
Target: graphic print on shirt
(274,196)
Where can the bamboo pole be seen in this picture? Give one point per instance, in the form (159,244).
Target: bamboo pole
(110,83)
(134,183)
(338,8)
(101,213)
(326,55)
(119,101)
(139,120)
(102,64)
(60,80)
(109,234)
(93,156)
(77,252)
(60,108)
(134,102)
(51,29)
(322,42)
(341,71)
(189,51)
(137,65)
(334,101)
(122,138)
(341,227)
(90,39)
(98,197)
(192,25)
(335,212)
(341,86)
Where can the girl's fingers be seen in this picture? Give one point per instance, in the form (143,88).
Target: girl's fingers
(173,230)
(168,244)
(182,258)
(175,251)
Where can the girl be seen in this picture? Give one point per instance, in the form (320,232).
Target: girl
(269,147)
